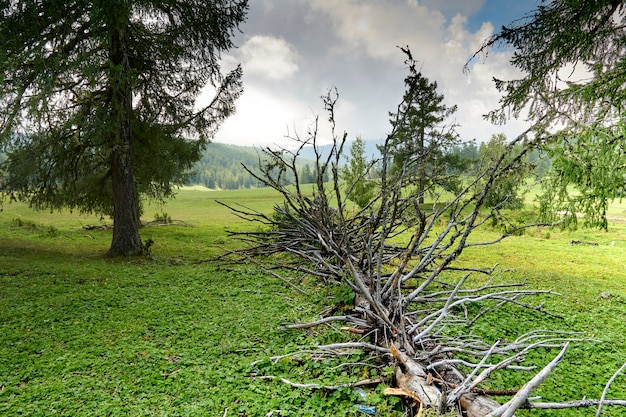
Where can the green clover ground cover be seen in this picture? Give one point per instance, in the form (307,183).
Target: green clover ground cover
(95,337)
(83,335)
(178,335)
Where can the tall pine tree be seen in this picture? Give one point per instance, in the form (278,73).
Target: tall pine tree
(98,97)
(423,136)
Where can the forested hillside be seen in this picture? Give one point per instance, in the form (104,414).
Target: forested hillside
(221,167)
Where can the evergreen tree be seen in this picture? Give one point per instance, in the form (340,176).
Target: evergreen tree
(422,140)
(97,97)
(306,174)
(355,175)
(467,155)
(588,171)
(508,190)
(551,42)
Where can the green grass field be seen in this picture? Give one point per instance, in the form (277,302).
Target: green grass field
(183,334)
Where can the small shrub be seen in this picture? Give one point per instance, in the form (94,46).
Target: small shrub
(147,246)
(163,218)
(52,231)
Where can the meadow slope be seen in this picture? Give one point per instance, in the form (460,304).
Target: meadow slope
(186,334)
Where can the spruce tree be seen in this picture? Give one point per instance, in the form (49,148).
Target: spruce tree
(356,175)
(509,189)
(98,100)
(423,136)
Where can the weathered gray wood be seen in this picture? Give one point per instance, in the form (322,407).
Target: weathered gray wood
(408,297)
(477,405)
(412,377)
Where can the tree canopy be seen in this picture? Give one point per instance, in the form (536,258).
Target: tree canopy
(99,97)
(573,86)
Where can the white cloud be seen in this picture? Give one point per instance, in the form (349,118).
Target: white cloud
(465,7)
(263,119)
(295,50)
(379,26)
(269,57)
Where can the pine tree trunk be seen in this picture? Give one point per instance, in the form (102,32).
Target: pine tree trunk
(421,166)
(126,240)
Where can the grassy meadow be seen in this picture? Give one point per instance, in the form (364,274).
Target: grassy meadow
(187,334)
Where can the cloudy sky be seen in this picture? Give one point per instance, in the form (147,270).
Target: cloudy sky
(293,51)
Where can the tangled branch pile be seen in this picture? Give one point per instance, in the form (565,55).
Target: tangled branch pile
(412,300)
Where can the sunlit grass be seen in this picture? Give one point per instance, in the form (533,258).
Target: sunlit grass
(176,334)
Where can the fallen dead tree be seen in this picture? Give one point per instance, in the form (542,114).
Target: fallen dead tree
(413,301)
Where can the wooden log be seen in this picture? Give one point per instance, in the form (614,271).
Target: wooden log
(412,377)
(477,405)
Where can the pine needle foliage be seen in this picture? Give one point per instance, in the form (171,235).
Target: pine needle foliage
(99,96)
(572,86)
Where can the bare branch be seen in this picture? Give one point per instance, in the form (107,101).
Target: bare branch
(606,389)
(325,320)
(572,404)
(508,409)
(414,302)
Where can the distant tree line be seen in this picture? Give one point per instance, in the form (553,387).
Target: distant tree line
(458,164)
(221,167)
